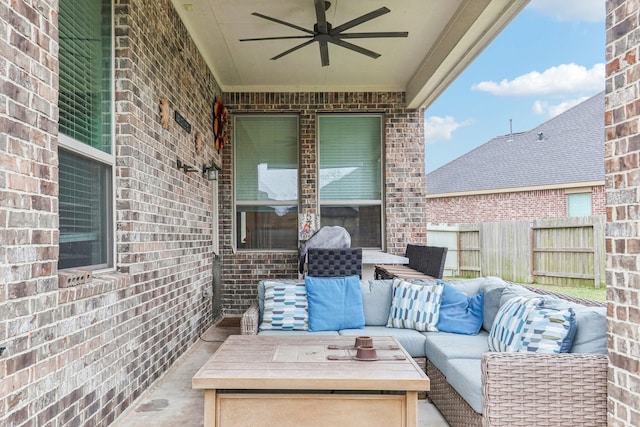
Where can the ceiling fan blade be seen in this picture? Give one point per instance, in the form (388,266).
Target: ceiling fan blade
(371,35)
(364,18)
(321,17)
(275,38)
(355,48)
(287,24)
(324,53)
(293,49)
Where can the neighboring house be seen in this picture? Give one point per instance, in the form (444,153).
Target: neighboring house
(555,170)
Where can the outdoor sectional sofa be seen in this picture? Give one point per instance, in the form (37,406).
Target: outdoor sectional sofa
(471,383)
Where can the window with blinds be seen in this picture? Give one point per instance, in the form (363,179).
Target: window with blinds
(85,72)
(266,181)
(85,124)
(350,168)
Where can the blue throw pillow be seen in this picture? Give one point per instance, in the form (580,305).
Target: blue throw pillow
(459,313)
(548,330)
(335,303)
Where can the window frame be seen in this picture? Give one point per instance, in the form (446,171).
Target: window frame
(351,202)
(583,192)
(236,203)
(109,159)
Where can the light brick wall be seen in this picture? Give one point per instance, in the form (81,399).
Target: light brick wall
(80,355)
(404,180)
(537,204)
(622,168)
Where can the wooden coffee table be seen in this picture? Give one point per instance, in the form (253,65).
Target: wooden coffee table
(293,381)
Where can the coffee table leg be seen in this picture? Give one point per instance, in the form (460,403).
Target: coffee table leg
(209,408)
(412,408)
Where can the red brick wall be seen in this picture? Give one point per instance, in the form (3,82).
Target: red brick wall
(537,204)
(404,180)
(79,356)
(622,168)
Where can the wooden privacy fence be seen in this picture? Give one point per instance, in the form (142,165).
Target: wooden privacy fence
(557,251)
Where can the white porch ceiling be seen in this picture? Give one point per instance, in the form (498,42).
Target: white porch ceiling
(444,37)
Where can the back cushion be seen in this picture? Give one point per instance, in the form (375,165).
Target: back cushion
(376,299)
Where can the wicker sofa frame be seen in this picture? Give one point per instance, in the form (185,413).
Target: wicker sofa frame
(530,389)
(519,389)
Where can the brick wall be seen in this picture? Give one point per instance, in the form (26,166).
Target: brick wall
(80,355)
(536,204)
(404,180)
(622,168)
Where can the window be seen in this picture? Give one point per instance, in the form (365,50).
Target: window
(350,165)
(266,181)
(85,124)
(579,204)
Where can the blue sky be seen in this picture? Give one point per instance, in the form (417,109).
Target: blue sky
(548,59)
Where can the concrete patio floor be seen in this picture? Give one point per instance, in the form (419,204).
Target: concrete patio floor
(171,401)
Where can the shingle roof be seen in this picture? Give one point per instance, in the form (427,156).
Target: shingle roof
(571,151)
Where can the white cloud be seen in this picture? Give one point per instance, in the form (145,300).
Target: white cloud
(441,128)
(552,110)
(571,10)
(560,80)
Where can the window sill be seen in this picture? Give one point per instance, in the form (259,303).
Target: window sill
(75,285)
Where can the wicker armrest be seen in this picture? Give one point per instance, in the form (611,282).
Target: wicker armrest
(524,389)
(249,320)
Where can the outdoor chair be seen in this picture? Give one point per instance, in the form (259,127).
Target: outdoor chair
(424,262)
(334,262)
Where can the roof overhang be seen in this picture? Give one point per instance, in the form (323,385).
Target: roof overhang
(444,37)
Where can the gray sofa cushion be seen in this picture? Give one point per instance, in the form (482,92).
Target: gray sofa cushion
(289,333)
(591,333)
(465,376)
(513,291)
(412,341)
(376,299)
(490,306)
(441,347)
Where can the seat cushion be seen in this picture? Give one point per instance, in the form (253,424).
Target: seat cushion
(289,333)
(412,341)
(442,346)
(465,376)
(376,301)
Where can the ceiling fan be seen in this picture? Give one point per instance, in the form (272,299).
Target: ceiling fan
(324,33)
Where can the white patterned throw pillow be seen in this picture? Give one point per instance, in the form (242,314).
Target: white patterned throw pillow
(285,307)
(507,326)
(548,330)
(415,306)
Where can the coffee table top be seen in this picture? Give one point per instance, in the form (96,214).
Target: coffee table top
(300,362)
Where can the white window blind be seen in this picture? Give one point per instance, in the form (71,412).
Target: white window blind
(266,181)
(350,157)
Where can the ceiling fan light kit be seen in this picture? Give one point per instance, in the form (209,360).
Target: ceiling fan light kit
(324,33)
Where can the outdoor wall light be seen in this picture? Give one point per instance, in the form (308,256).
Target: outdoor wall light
(210,172)
(186,168)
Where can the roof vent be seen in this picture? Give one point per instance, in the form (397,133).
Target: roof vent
(540,136)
